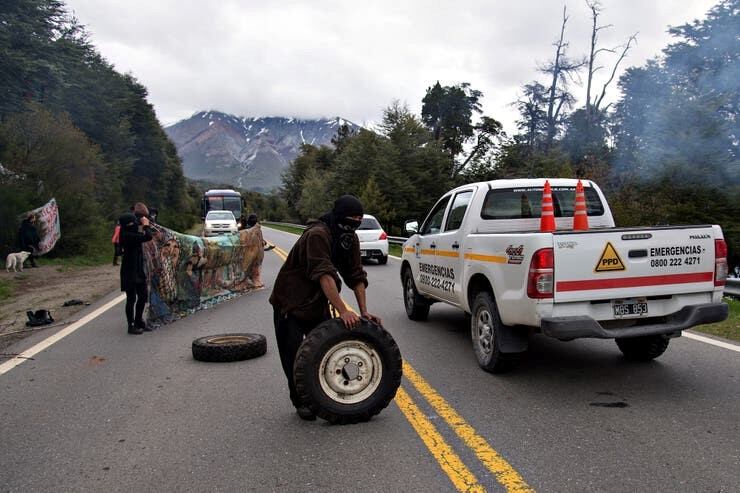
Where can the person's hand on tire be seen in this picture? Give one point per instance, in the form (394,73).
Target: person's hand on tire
(372,318)
(350,319)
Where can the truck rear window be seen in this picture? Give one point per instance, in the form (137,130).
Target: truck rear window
(520,203)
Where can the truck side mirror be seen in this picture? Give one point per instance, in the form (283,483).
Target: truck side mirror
(411,227)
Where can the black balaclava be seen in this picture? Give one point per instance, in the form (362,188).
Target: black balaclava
(128,222)
(251,220)
(342,228)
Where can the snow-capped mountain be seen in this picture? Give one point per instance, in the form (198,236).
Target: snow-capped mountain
(247,152)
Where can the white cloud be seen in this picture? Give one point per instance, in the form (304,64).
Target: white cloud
(325,58)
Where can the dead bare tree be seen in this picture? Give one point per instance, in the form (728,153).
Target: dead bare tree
(594,106)
(562,70)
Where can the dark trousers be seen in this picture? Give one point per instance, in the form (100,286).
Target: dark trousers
(289,332)
(136,295)
(30,257)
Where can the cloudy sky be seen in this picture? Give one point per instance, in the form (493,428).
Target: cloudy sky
(351,59)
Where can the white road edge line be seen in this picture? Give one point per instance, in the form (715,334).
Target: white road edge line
(713,342)
(30,352)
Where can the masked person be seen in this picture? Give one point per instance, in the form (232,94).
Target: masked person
(309,280)
(135,230)
(28,238)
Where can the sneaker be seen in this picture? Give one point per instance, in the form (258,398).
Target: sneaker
(305,413)
(143,326)
(133,329)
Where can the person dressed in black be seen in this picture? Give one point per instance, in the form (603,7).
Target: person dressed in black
(309,280)
(135,231)
(251,221)
(28,238)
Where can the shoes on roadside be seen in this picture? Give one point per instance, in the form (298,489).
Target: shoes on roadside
(143,326)
(305,413)
(133,329)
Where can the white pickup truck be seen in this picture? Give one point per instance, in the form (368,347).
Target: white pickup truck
(481,249)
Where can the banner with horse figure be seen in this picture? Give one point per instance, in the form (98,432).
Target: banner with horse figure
(188,273)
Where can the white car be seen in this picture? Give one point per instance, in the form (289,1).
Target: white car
(373,240)
(220,223)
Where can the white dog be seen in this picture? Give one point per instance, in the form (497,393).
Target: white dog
(15,261)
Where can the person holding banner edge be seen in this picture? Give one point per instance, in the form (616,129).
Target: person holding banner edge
(28,238)
(135,230)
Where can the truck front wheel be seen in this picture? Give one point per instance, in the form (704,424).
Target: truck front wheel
(486,333)
(644,348)
(416,307)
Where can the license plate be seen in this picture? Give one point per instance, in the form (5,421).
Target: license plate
(363,253)
(630,307)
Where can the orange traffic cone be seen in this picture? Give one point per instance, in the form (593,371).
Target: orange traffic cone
(547,216)
(580,217)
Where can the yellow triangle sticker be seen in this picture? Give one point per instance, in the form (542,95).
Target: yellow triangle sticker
(609,260)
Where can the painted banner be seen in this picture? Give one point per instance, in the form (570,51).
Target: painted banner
(188,273)
(47,225)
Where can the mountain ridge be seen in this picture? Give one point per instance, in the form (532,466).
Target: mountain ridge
(248,152)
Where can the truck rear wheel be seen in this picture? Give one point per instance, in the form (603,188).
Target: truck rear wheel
(486,334)
(644,348)
(416,307)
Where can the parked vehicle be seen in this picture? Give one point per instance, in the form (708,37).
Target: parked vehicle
(373,239)
(220,223)
(481,249)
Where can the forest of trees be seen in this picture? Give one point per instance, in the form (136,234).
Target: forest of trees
(73,128)
(665,153)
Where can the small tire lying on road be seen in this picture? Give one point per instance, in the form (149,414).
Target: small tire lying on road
(347,376)
(223,348)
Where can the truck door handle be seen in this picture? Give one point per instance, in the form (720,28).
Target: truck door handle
(433,245)
(456,245)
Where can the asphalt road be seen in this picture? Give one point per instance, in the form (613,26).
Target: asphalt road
(103,410)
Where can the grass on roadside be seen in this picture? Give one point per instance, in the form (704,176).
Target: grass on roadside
(6,290)
(67,263)
(730,328)
(288,229)
(393,250)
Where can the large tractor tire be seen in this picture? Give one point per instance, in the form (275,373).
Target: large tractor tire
(229,347)
(347,376)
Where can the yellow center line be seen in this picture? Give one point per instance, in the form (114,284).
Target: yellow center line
(448,460)
(505,474)
(494,462)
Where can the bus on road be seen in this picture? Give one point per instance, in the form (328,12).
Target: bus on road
(221,200)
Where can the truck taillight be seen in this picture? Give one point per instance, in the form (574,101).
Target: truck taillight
(383,236)
(720,262)
(541,274)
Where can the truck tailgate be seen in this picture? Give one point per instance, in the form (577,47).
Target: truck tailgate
(629,263)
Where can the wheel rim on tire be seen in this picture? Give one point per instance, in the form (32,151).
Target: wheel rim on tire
(225,340)
(350,372)
(410,295)
(484,331)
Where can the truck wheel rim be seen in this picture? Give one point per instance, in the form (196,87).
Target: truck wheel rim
(484,331)
(350,372)
(409,294)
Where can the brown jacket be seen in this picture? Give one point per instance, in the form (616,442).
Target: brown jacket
(297,289)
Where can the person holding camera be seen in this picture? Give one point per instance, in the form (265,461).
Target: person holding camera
(135,231)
